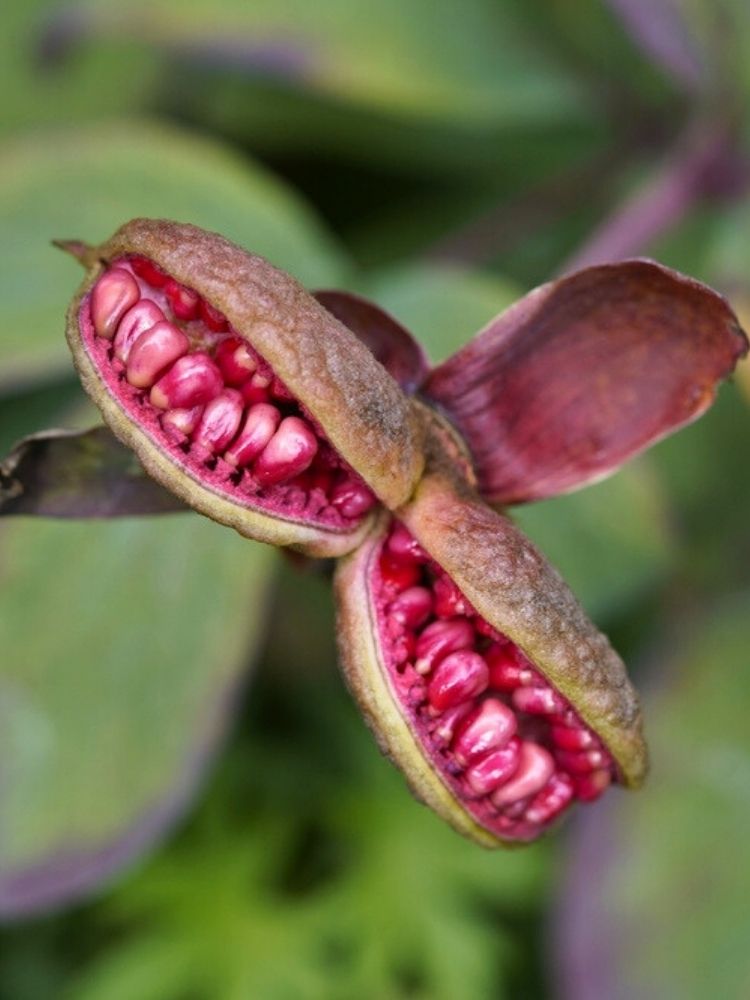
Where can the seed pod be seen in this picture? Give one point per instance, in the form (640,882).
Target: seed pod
(497,779)
(242,315)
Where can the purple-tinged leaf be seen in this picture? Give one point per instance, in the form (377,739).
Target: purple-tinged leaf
(583,373)
(661,30)
(74,474)
(391,343)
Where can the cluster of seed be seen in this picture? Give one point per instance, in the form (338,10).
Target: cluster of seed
(214,397)
(507,742)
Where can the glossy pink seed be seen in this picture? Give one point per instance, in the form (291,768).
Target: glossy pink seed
(352,499)
(551,800)
(447,724)
(538,700)
(492,771)
(507,672)
(220,422)
(573,739)
(412,607)
(449,600)
(289,452)
(213,319)
(192,380)
(141,317)
(457,678)
(149,272)
(403,545)
(113,294)
(582,762)
(591,786)
(489,727)
(535,768)
(179,423)
(259,427)
(235,360)
(441,638)
(184,301)
(153,351)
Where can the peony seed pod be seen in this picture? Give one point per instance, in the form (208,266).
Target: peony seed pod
(170,318)
(503,705)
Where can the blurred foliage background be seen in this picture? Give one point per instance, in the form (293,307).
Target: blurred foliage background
(441,158)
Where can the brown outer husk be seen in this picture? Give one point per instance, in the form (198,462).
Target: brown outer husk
(359,407)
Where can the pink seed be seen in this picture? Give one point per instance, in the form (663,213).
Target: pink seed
(535,768)
(441,638)
(484,628)
(551,800)
(259,427)
(591,786)
(507,670)
(235,360)
(457,678)
(184,301)
(447,724)
(583,762)
(397,575)
(113,294)
(449,600)
(191,381)
(352,499)
(538,700)
(489,727)
(573,739)
(289,452)
(253,394)
(180,424)
(141,317)
(412,607)
(402,545)
(492,771)
(220,422)
(213,319)
(149,272)
(153,351)
(279,391)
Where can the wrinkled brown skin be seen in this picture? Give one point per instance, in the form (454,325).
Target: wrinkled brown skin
(358,406)
(517,591)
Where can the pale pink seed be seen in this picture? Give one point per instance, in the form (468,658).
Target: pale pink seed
(448,722)
(535,768)
(184,301)
(235,360)
(591,786)
(352,499)
(582,762)
(181,423)
(457,678)
(449,600)
(412,607)
(573,739)
(403,545)
(289,452)
(220,422)
(538,700)
(492,771)
(441,638)
(192,380)
(141,317)
(113,294)
(551,800)
(259,427)
(489,727)
(153,351)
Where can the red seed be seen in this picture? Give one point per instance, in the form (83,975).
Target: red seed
(192,380)
(402,545)
(412,607)
(573,739)
(352,499)
(213,319)
(259,427)
(441,638)
(489,727)
(289,452)
(449,600)
(535,768)
(457,678)
(507,670)
(447,724)
(180,423)
(149,272)
(184,301)
(396,574)
(582,762)
(590,786)
(551,800)
(113,294)
(493,770)
(153,351)
(220,422)
(538,700)
(141,317)
(235,360)
(280,392)
(252,393)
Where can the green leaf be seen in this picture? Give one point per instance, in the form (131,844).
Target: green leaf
(122,647)
(656,901)
(85,183)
